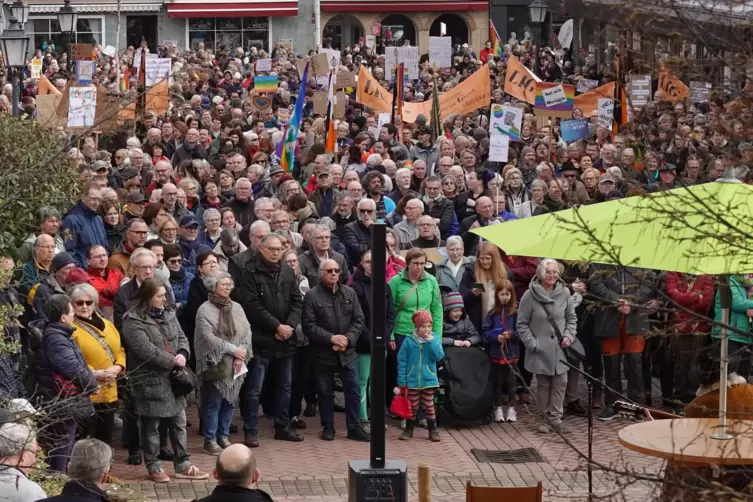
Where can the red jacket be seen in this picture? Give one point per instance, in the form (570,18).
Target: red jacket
(697,298)
(523,270)
(484,54)
(106,286)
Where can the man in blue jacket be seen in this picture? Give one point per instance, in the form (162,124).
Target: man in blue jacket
(82,226)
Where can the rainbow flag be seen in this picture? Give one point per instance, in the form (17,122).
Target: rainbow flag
(291,135)
(265,83)
(494,37)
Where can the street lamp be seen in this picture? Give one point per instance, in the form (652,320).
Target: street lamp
(68,19)
(15,45)
(20,11)
(537,9)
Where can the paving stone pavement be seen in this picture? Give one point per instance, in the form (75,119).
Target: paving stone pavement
(317,470)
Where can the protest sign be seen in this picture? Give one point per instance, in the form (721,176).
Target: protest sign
(554,100)
(393,56)
(81,51)
(47,105)
(440,51)
(157,69)
(158,97)
(345,79)
(85,70)
(287,44)
(340,100)
(110,51)
(321,98)
(265,83)
(283,115)
(264,65)
(606,111)
(499,148)
(82,106)
(639,91)
(699,91)
(573,130)
(585,85)
(370,41)
(36,68)
(384,118)
(46,87)
(506,120)
(333,58)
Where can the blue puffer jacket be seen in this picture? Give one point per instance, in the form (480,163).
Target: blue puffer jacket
(57,353)
(417,362)
(495,325)
(81,229)
(181,283)
(189,250)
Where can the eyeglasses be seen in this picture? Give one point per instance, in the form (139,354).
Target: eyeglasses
(274,250)
(169,229)
(175,261)
(366,211)
(426,224)
(331,270)
(569,176)
(81,303)
(144,267)
(139,232)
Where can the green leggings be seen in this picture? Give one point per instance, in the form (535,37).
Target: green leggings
(364,370)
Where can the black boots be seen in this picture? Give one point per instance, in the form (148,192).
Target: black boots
(433,431)
(408,432)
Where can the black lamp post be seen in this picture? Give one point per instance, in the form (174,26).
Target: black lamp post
(68,19)
(537,10)
(15,45)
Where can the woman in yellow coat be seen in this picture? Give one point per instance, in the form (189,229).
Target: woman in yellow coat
(100,345)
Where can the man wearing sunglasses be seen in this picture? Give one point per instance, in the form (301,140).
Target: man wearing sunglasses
(333,321)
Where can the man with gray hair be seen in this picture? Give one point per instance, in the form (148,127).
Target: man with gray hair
(318,251)
(357,234)
(18,453)
(242,202)
(90,464)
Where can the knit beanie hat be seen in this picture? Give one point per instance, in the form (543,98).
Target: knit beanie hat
(453,300)
(421,317)
(60,261)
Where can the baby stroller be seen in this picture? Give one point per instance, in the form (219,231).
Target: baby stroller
(465,387)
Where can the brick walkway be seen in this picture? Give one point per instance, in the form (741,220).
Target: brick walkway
(317,470)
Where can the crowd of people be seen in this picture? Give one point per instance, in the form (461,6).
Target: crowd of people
(193,266)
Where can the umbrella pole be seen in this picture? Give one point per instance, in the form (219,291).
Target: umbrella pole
(725,301)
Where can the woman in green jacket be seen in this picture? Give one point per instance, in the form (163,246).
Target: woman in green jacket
(413,289)
(739,348)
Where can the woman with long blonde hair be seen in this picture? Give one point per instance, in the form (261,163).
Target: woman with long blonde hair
(478,283)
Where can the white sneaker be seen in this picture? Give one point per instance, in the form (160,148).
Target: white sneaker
(499,415)
(511,414)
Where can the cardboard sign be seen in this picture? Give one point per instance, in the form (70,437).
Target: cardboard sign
(345,79)
(283,115)
(320,102)
(606,111)
(505,120)
(333,58)
(82,51)
(499,148)
(264,65)
(340,100)
(82,106)
(384,118)
(573,130)
(47,105)
(107,112)
(554,100)
(110,51)
(370,41)
(440,51)
(287,44)
(158,98)
(261,103)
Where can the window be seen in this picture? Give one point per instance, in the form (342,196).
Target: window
(88,31)
(229,32)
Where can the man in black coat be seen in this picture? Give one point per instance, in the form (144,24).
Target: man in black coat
(333,321)
(438,206)
(242,203)
(272,301)
(237,477)
(484,216)
(357,234)
(190,149)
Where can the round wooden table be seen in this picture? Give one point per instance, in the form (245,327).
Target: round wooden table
(689,441)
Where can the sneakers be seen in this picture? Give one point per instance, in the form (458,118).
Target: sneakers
(499,415)
(366,426)
(193,473)
(328,434)
(511,415)
(575,408)
(608,414)
(223,442)
(251,442)
(423,423)
(358,434)
(561,428)
(288,435)
(297,423)
(212,448)
(543,429)
(159,477)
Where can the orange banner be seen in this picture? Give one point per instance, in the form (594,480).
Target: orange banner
(46,87)
(158,97)
(589,102)
(370,93)
(674,89)
(520,82)
(472,94)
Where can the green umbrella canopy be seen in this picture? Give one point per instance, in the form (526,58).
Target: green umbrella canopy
(702,229)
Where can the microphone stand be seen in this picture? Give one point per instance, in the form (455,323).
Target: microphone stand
(590,414)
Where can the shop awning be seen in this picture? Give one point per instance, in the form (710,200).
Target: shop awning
(53,7)
(405,6)
(237,8)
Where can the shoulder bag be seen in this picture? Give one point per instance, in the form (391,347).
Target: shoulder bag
(575,353)
(182,380)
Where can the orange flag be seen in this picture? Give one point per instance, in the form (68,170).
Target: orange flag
(520,82)
(674,89)
(158,97)
(370,92)
(46,87)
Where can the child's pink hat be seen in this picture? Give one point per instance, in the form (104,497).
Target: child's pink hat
(421,317)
